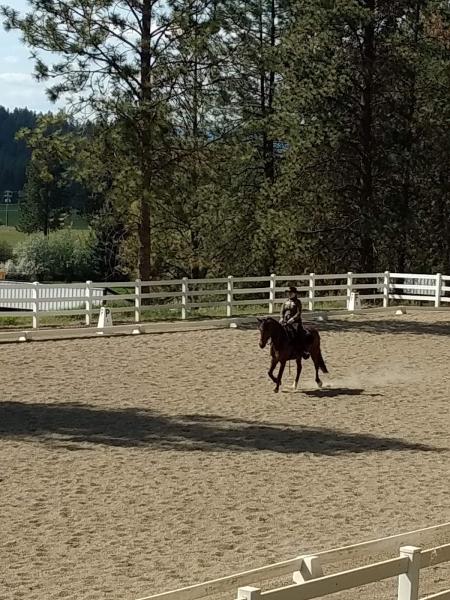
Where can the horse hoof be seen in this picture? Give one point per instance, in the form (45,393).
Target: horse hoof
(276,390)
(319,384)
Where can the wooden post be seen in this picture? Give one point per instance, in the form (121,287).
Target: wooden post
(310,568)
(311,291)
(88,302)
(230,296)
(437,297)
(184,297)
(248,593)
(349,288)
(272,293)
(35,305)
(386,285)
(408,583)
(137,300)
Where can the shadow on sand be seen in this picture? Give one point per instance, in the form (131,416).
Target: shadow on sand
(69,425)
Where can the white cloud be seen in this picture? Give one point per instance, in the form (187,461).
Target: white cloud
(11,60)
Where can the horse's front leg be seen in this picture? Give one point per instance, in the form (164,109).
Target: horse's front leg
(273,364)
(280,375)
(299,371)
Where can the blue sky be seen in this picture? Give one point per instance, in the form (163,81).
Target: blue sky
(17,86)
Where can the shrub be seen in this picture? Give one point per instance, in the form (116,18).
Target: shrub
(6,251)
(63,256)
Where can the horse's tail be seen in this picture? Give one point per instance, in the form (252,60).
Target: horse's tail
(322,364)
(316,349)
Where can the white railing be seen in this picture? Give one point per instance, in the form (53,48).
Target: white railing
(310,582)
(183,296)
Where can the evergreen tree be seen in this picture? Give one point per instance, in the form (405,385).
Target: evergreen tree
(348,108)
(48,194)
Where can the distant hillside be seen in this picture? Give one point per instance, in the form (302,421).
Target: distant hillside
(14,156)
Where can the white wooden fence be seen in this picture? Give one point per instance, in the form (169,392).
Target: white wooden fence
(20,296)
(185,295)
(310,581)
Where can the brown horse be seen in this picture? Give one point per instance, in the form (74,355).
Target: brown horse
(282,350)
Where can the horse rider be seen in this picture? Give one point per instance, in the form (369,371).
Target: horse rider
(291,319)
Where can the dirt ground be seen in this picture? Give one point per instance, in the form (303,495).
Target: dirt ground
(134,465)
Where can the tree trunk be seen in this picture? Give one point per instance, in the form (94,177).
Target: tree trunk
(267,93)
(144,229)
(405,204)
(47,213)
(366,132)
(195,233)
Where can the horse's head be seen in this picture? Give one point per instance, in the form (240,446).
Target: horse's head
(265,331)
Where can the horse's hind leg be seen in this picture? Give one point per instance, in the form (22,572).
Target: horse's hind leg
(280,375)
(315,355)
(273,364)
(299,371)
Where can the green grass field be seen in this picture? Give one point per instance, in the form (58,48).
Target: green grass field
(9,233)
(9,215)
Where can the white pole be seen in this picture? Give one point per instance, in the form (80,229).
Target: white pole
(272,293)
(230,296)
(386,285)
(137,300)
(35,304)
(184,297)
(311,291)
(349,288)
(88,302)
(408,583)
(437,298)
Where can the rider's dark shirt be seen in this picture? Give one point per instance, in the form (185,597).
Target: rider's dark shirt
(292,309)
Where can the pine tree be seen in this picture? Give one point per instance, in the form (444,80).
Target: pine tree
(347,111)
(42,206)
(114,60)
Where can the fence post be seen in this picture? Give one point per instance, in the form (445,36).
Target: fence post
(230,286)
(184,297)
(310,568)
(35,305)
(248,593)
(437,298)
(408,583)
(137,300)
(272,293)
(88,302)
(349,288)
(386,284)
(311,291)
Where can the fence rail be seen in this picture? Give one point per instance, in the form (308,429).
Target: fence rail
(406,567)
(182,296)
(310,581)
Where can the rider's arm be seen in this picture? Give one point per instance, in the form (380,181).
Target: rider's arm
(282,313)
